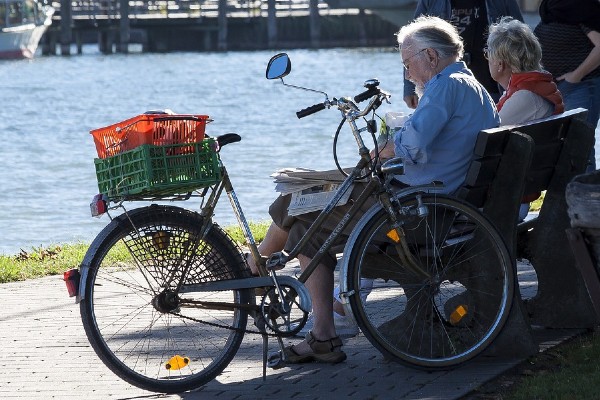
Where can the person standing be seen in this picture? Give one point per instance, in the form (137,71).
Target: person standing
(569,33)
(471,18)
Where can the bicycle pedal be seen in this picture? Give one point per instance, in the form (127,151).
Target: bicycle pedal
(275,361)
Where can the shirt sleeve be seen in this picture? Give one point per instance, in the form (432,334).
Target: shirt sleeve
(413,141)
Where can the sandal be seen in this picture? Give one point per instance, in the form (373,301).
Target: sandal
(323,351)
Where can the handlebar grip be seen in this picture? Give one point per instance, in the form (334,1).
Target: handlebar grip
(310,110)
(366,94)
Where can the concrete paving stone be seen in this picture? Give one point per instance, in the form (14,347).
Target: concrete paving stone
(45,355)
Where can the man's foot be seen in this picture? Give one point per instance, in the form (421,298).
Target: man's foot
(323,351)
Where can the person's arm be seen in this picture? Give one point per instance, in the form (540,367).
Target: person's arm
(429,119)
(591,62)
(410,98)
(513,10)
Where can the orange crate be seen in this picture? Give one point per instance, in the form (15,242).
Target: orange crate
(154,129)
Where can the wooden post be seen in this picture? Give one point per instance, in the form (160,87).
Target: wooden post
(66,22)
(222,37)
(271,25)
(124,31)
(315,24)
(79,42)
(362,31)
(49,43)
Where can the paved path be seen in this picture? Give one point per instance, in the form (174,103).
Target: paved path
(44,354)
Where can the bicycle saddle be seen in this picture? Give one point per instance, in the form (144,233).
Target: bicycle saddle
(228,138)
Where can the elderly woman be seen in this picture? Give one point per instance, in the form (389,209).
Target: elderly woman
(514,59)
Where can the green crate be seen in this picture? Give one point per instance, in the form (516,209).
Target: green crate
(155,171)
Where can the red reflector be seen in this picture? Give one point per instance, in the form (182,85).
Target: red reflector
(98,205)
(71,278)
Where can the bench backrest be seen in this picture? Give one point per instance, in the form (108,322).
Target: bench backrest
(548,134)
(515,161)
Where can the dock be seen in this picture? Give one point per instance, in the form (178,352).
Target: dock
(117,26)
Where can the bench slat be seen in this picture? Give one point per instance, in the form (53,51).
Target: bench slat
(482,171)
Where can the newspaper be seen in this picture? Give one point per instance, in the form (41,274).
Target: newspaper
(310,190)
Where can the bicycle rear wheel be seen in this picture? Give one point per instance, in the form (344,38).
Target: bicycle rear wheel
(139,325)
(443,320)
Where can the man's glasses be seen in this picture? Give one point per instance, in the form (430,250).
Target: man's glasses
(405,62)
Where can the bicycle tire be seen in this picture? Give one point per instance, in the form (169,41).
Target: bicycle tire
(449,318)
(129,315)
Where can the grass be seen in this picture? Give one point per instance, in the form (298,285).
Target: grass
(52,260)
(567,371)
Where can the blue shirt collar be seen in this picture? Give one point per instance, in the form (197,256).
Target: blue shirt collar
(458,66)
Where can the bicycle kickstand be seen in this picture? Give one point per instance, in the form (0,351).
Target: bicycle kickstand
(265,338)
(277,360)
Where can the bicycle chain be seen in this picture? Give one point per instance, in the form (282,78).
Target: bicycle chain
(229,327)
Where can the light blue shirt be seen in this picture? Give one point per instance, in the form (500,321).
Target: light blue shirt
(437,140)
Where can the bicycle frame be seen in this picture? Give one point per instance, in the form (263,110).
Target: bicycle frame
(378,184)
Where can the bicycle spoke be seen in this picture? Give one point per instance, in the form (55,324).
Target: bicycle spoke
(445,319)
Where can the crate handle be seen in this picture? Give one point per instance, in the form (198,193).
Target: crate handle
(176,118)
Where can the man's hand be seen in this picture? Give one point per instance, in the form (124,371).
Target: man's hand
(411,101)
(386,151)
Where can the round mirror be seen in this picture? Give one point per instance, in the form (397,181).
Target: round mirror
(279,66)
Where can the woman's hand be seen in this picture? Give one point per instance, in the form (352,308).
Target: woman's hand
(591,62)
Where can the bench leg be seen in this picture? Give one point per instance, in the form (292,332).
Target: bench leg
(516,339)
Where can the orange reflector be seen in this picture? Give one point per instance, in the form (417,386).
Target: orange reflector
(458,314)
(177,362)
(393,235)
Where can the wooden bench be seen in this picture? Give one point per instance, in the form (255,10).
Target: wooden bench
(511,162)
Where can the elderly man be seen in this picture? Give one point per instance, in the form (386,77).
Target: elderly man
(436,143)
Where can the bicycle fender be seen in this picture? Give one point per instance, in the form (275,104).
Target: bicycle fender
(427,188)
(303,295)
(84,268)
(347,249)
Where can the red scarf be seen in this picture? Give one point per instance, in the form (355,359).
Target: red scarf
(540,83)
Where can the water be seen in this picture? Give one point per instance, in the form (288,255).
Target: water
(47,177)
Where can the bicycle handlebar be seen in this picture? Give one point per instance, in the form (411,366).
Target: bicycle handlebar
(373,91)
(346,105)
(310,110)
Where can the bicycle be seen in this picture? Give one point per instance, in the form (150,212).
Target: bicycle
(165,293)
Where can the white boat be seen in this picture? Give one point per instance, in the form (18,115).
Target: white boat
(23,23)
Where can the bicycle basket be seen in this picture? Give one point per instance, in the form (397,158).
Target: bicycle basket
(155,129)
(159,171)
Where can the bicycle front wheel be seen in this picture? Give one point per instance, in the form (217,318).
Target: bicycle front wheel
(142,327)
(452,314)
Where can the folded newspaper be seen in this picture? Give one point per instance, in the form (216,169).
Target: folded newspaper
(310,190)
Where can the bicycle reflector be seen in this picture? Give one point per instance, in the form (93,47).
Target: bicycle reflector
(98,205)
(177,362)
(458,314)
(71,278)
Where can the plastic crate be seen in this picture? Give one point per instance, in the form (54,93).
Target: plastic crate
(155,129)
(158,171)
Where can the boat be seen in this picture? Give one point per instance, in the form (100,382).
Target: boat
(23,23)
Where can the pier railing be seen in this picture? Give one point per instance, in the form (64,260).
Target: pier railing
(209,25)
(103,9)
